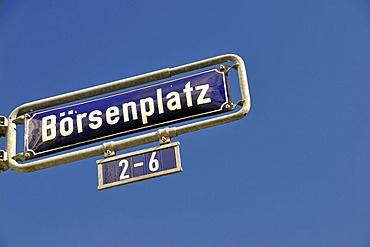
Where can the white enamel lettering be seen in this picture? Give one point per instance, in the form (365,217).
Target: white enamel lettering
(187,90)
(125,164)
(66,126)
(79,122)
(146,111)
(159,101)
(166,98)
(125,110)
(95,119)
(48,128)
(112,115)
(204,89)
(174,102)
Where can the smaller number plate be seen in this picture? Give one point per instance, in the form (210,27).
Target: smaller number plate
(139,165)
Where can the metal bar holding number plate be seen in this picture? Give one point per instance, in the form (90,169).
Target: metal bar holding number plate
(139,165)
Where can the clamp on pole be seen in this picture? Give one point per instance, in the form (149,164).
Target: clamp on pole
(164,136)
(3,125)
(3,153)
(109,150)
(3,158)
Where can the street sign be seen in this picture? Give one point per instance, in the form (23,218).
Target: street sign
(139,165)
(77,118)
(178,100)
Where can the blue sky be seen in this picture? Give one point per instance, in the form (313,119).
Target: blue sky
(294,172)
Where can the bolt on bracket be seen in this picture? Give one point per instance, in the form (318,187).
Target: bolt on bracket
(226,68)
(21,156)
(164,136)
(21,119)
(108,149)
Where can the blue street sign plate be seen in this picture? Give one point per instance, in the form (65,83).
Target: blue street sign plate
(189,97)
(140,165)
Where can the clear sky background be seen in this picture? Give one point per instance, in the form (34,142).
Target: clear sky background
(294,172)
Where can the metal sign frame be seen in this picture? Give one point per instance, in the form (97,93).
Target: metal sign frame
(10,158)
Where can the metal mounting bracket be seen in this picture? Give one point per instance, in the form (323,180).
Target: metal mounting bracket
(21,119)
(164,136)
(3,157)
(109,149)
(3,125)
(20,156)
